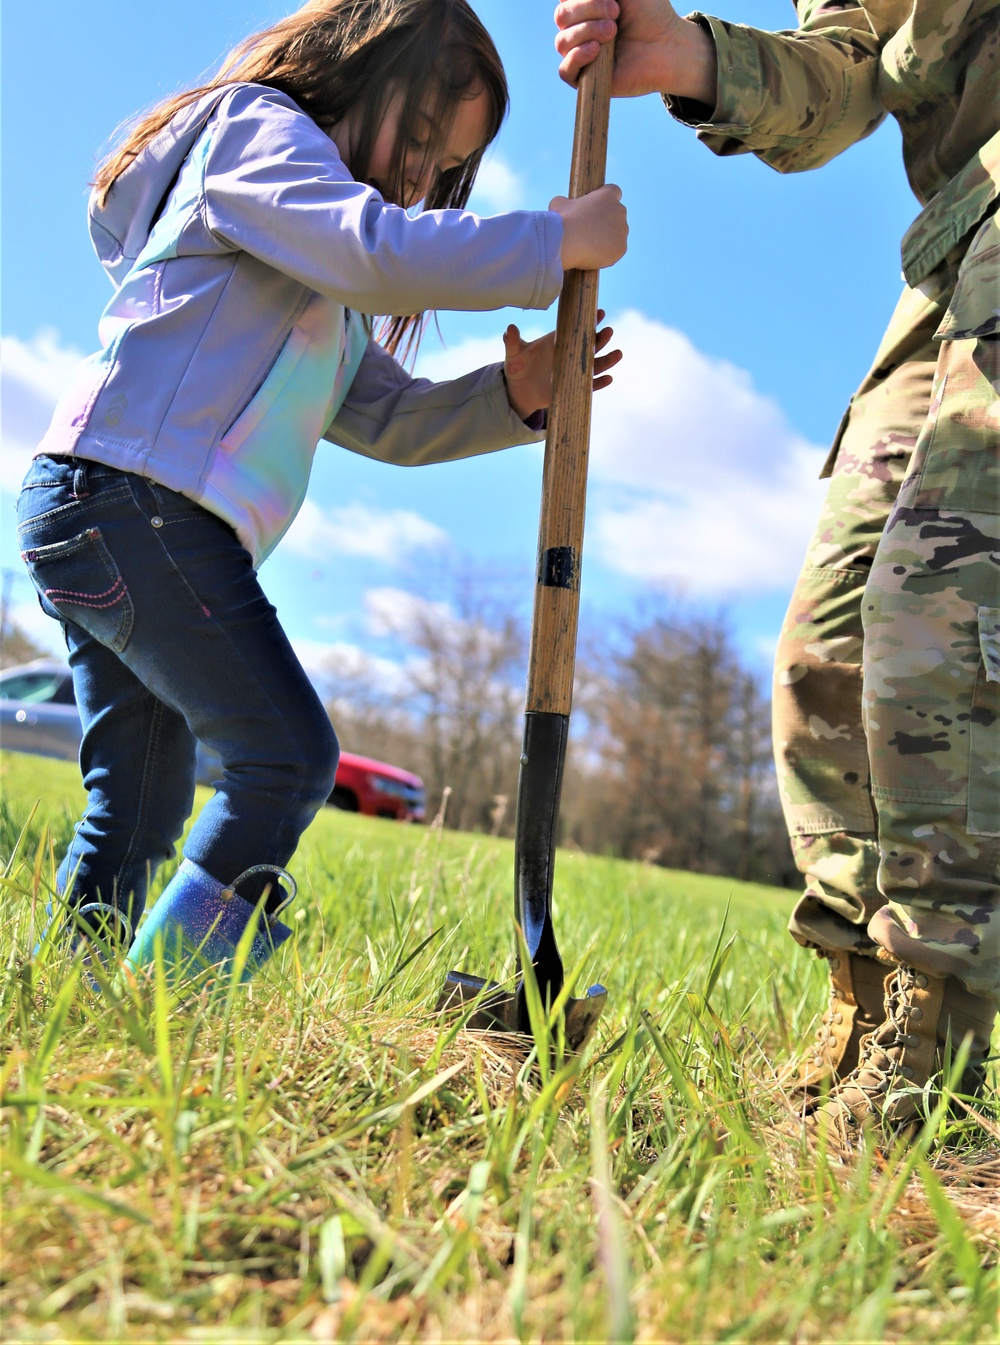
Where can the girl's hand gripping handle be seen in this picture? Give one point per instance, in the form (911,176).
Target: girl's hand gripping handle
(595,229)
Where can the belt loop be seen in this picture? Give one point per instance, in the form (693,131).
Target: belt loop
(80,491)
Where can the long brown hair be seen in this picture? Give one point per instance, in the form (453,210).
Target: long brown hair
(335,57)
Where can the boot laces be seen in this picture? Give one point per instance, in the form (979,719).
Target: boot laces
(834,1014)
(882,1051)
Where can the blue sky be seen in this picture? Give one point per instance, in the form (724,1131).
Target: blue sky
(749,307)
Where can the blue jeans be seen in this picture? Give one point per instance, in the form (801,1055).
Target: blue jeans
(170,638)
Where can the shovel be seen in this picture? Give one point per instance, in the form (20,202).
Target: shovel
(552,657)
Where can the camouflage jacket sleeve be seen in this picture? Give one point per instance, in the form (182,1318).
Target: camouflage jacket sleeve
(795,99)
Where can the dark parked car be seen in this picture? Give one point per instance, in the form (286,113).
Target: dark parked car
(38,714)
(37,710)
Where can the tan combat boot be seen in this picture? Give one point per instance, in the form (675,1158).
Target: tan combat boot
(925,1020)
(857,997)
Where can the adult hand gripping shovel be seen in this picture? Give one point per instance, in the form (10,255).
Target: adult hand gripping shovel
(552,656)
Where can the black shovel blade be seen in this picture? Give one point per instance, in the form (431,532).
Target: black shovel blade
(505,1010)
(582,1015)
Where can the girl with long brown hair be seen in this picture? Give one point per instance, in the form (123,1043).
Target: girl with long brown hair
(253,227)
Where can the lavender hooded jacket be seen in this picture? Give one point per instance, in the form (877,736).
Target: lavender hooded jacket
(244,256)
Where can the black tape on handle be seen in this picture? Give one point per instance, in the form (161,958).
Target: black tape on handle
(559,568)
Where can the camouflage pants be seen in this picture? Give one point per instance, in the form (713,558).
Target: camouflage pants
(887,678)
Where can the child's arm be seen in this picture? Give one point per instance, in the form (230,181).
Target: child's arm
(392,416)
(275,187)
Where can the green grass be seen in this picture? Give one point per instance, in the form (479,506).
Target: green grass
(319,1157)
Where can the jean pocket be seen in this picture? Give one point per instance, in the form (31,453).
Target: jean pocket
(80,581)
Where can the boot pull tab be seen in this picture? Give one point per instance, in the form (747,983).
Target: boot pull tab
(103,916)
(289,890)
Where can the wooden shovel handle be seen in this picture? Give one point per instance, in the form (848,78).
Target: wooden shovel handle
(552,658)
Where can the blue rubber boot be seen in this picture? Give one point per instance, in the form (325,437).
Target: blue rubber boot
(198,923)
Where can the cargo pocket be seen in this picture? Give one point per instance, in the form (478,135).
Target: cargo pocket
(974,310)
(984,731)
(79,581)
(957,457)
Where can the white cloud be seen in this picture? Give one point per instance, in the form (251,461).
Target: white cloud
(764,647)
(497,187)
(439,637)
(389,535)
(326,662)
(453,361)
(331,622)
(394,611)
(698,480)
(32,375)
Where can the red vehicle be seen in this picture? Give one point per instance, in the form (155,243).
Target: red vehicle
(38,714)
(377,789)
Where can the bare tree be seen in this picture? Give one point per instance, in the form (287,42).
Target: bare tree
(467,693)
(455,703)
(676,768)
(669,761)
(17,646)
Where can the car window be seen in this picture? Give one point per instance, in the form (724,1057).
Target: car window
(33,687)
(63,694)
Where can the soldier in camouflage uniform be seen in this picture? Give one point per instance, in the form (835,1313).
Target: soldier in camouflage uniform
(887,683)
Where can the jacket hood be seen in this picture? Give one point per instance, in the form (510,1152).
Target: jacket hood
(120,228)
